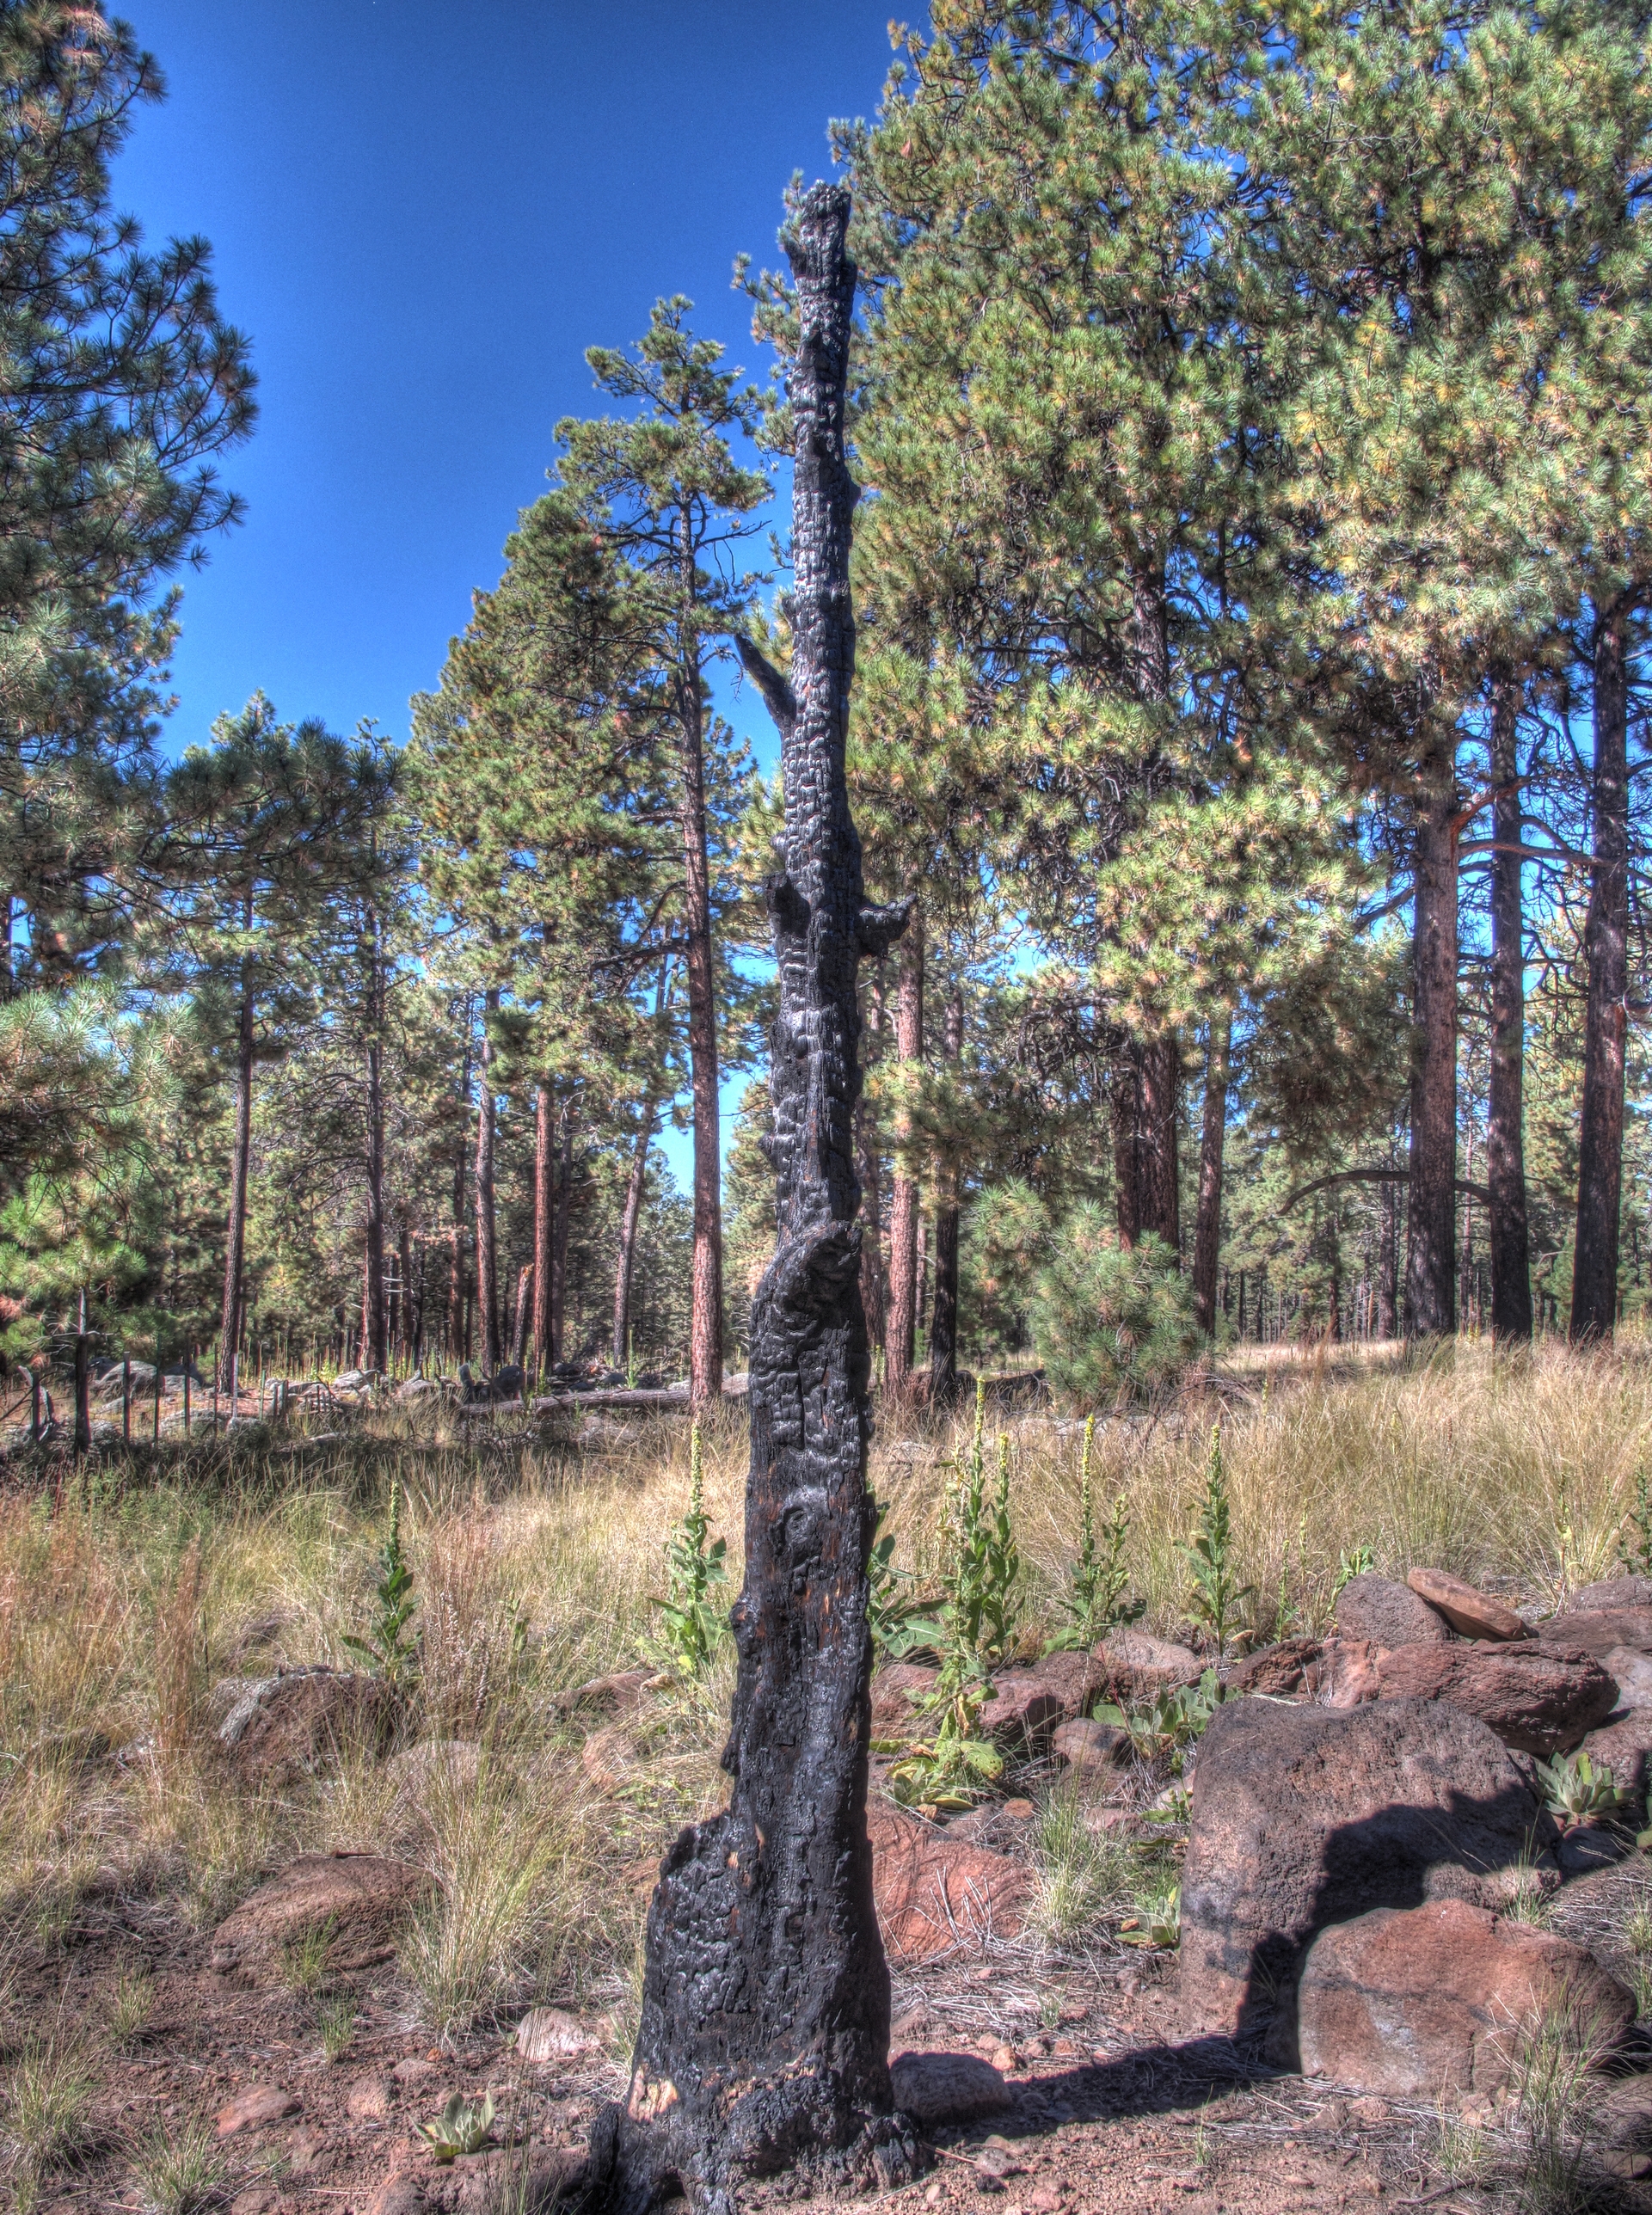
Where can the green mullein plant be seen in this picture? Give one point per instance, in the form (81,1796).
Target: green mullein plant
(1095,1602)
(1218,1595)
(692,1625)
(390,1649)
(1170,1721)
(952,1770)
(891,1612)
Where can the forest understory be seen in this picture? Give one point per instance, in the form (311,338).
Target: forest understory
(541,1740)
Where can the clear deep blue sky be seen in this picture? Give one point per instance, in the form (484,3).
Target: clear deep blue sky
(422,213)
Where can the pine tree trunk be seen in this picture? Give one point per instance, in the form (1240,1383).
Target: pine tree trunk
(486,1258)
(1388,1263)
(766,1998)
(1431,1241)
(1127,1147)
(631,1216)
(872,1298)
(404,1310)
(1207,1229)
(240,1162)
(1605,945)
(542,1204)
(561,1214)
(523,1323)
(1161,1196)
(943,1315)
(375,1341)
(705,1315)
(1511,1261)
(901,1343)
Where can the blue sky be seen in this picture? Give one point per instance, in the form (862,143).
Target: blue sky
(423,214)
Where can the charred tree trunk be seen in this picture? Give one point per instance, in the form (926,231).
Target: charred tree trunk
(1207,1229)
(1511,1259)
(240,1160)
(1606,1027)
(766,1999)
(943,1315)
(1431,1240)
(902,1339)
(486,1258)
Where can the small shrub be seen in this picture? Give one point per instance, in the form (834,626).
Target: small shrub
(1171,1720)
(388,1647)
(1574,1790)
(891,1612)
(1218,1595)
(304,1959)
(1082,1874)
(180,2172)
(336,2021)
(1157,1919)
(132,2006)
(951,1772)
(980,1601)
(1552,2076)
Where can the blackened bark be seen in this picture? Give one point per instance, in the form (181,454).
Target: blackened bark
(1207,1228)
(1431,1241)
(236,1243)
(1509,1240)
(1606,1025)
(1127,1148)
(766,1998)
(943,1315)
(901,1343)
(486,1258)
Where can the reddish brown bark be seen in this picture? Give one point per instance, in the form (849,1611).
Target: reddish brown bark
(1207,1229)
(1431,1243)
(1507,1233)
(1606,1027)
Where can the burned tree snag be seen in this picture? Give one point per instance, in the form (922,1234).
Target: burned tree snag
(765,2002)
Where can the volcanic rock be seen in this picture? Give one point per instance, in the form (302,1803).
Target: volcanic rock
(364,1897)
(1597,1629)
(1537,1699)
(1626,1591)
(1087,1746)
(936,1894)
(1474,1613)
(1303,1816)
(299,1722)
(1386,1613)
(937,2088)
(1624,1744)
(1137,1667)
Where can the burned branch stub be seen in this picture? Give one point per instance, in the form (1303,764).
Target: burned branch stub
(765,2027)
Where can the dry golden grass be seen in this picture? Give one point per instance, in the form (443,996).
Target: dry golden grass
(534,1563)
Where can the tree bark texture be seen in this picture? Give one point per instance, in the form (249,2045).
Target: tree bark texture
(705,1314)
(236,1243)
(375,1319)
(1160,1171)
(1509,1240)
(629,1217)
(901,1341)
(540,1336)
(1388,1261)
(872,1299)
(1431,1241)
(1605,1025)
(1127,1147)
(765,2001)
(487,1257)
(561,1214)
(943,1315)
(455,1271)
(1207,1228)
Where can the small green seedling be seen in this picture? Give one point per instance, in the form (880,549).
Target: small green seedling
(336,2021)
(952,1771)
(1171,1720)
(1576,1789)
(464,2126)
(693,1625)
(389,1648)
(1157,1919)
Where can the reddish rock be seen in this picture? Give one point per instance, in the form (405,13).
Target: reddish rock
(364,1897)
(1417,2002)
(1279,1671)
(936,1894)
(1387,1614)
(1303,1816)
(1537,1699)
(1622,1744)
(1023,1710)
(1476,1614)
(1079,1678)
(1632,1672)
(898,1692)
(609,1757)
(282,1729)
(1139,1668)
(369,2099)
(1086,1745)
(936,2088)
(1597,1629)
(1346,1673)
(618,1694)
(1626,1591)
(549,2033)
(255,2107)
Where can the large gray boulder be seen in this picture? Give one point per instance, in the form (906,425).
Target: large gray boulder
(1304,1816)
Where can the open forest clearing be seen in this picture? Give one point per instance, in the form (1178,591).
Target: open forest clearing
(143,1598)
